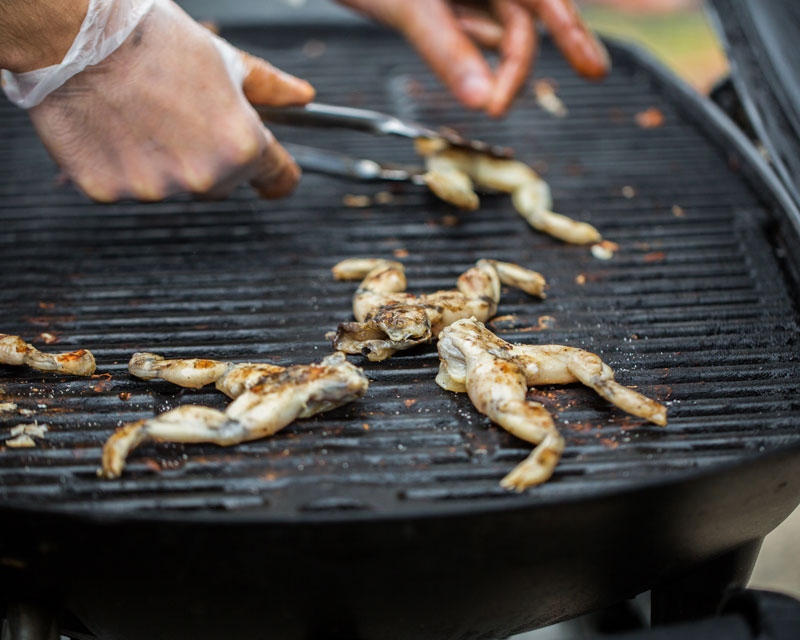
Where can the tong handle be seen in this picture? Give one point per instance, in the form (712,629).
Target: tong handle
(317,114)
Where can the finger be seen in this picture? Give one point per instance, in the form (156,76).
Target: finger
(434,32)
(516,50)
(277,174)
(267,85)
(578,44)
(479,26)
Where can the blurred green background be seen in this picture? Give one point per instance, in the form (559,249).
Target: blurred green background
(677,31)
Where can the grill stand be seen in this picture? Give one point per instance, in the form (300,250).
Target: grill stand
(30,621)
(700,591)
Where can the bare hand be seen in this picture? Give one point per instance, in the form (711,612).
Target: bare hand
(445,33)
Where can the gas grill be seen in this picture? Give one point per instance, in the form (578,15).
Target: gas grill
(384,518)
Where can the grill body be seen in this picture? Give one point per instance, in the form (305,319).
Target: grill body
(384,518)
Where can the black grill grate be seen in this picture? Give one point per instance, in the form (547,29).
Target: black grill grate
(693,309)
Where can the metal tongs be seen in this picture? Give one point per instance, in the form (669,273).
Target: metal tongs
(316,114)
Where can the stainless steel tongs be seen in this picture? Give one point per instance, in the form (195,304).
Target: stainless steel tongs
(316,114)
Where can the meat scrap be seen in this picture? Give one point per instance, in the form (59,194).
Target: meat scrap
(22,435)
(14,351)
(650,118)
(389,320)
(496,374)
(21,441)
(548,100)
(266,399)
(34,429)
(453,173)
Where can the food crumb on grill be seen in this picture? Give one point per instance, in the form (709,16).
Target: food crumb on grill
(20,442)
(650,118)
(26,412)
(677,211)
(314,48)
(502,323)
(449,221)
(580,279)
(365,426)
(48,338)
(47,305)
(124,395)
(628,191)
(545,91)
(604,250)
(546,322)
(384,197)
(409,402)
(104,382)
(32,429)
(7,406)
(654,256)
(355,201)
(400,253)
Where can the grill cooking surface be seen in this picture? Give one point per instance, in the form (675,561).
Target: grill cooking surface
(693,310)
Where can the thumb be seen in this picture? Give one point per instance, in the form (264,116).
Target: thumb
(276,172)
(267,85)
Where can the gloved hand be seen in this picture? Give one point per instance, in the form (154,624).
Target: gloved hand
(162,107)
(443,31)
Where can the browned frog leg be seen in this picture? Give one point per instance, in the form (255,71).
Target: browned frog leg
(241,377)
(527,201)
(558,364)
(380,278)
(594,373)
(384,323)
(231,379)
(190,372)
(15,351)
(496,374)
(498,387)
(188,423)
(297,391)
(527,280)
(451,173)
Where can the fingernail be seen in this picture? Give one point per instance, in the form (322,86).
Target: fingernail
(475,90)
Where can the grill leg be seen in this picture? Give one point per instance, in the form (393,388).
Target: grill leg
(27,621)
(699,592)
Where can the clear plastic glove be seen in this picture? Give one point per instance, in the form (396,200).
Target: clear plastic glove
(165,111)
(446,32)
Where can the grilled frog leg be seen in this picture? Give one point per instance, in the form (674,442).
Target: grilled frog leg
(496,375)
(265,403)
(389,320)
(232,379)
(15,351)
(451,173)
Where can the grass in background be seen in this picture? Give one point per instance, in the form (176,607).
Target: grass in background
(683,40)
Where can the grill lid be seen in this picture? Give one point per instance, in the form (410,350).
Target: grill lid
(759,38)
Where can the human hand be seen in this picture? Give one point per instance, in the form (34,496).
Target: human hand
(168,112)
(445,33)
